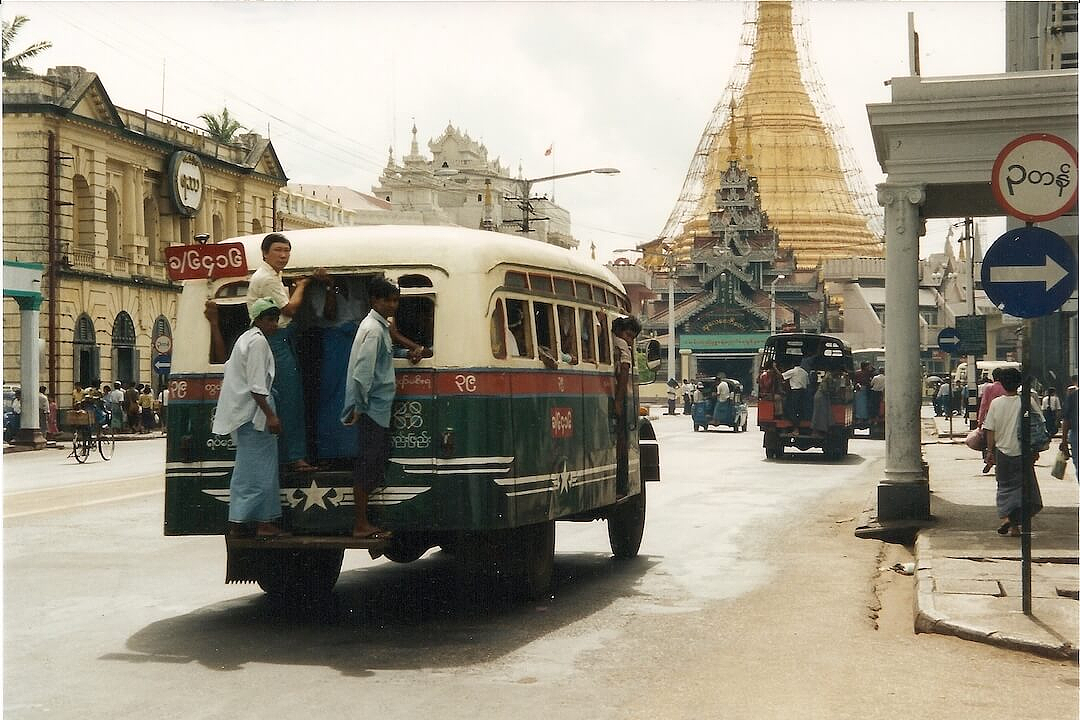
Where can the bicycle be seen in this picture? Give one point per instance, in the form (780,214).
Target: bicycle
(90,431)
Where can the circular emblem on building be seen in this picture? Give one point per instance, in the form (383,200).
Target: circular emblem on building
(186,182)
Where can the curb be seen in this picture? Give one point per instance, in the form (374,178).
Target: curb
(929,620)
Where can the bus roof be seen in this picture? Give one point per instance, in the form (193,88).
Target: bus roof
(451,248)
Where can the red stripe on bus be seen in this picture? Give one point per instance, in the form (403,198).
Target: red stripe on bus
(448,383)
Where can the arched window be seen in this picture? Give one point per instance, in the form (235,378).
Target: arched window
(86,355)
(112,222)
(125,355)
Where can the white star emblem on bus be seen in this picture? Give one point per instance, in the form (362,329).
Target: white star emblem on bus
(562,477)
(314,496)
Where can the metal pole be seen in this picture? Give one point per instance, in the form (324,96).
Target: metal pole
(772,308)
(526,190)
(54,258)
(1027,469)
(972,408)
(671,315)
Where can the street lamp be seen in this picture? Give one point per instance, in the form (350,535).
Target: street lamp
(525,184)
(772,304)
(669,261)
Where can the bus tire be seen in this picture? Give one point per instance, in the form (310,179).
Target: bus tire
(299,576)
(538,559)
(626,525)
(404,549)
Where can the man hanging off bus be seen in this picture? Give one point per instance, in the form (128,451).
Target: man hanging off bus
(370,386)
(245,410)
(624,331)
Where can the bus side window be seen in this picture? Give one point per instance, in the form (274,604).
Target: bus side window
(544,315)
(416,319)
(498,331)
(587,352)
(602,338)
(517,321)
(568,341)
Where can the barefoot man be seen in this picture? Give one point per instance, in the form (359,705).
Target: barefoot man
(369,392)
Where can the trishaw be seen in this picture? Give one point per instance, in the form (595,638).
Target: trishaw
(711,411)
(825,416)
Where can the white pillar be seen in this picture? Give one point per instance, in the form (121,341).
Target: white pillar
(904,492)
(29,373)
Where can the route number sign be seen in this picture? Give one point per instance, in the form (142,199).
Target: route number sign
(1034,177)
(219,260)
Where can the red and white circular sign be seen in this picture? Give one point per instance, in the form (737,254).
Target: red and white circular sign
(1034,177)
(163,344)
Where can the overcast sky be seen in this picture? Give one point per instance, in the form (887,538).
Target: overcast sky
(629,85)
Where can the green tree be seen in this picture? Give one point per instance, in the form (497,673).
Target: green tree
(14,62)
(223,126)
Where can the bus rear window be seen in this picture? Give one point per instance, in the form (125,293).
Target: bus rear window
(415,319)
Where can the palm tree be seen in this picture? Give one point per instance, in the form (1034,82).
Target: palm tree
(14,62)
(223,127)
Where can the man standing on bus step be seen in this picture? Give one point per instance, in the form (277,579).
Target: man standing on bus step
(370,385)
(795,402)
(245,410)
(266,281)
(624,331)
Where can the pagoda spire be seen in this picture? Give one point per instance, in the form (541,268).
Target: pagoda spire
(796,157)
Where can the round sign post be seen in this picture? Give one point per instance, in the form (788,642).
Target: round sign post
(1034,177)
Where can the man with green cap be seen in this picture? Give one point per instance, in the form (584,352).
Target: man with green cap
(245,411)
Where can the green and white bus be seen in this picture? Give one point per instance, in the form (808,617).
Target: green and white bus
(508,427)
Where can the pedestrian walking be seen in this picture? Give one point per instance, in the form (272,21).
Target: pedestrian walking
(1069,424)
(1001,425)
(688,395)
(146,409)
(132,410)
(116,406)
(671,395)
(245,411)
(43,411)
(1051,407)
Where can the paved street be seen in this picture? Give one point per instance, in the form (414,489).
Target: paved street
(752,599)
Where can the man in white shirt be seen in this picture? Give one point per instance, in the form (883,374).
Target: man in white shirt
(266,282)
(245,410)
(723,390)
(1004,453)
(877,389)
(795,403)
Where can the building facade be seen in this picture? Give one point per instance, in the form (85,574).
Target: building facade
(95,193)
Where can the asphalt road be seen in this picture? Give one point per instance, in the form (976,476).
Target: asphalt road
(751,599)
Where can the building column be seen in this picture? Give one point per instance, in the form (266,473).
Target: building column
(29,432)
(904,493)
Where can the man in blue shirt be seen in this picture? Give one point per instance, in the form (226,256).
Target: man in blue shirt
(370,385)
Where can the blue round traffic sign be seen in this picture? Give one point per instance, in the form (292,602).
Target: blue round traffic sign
(948,340)
(1029,272)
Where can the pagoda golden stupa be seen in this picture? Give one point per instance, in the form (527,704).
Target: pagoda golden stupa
(785,144)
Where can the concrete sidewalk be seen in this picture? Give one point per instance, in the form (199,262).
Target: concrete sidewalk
(967,577)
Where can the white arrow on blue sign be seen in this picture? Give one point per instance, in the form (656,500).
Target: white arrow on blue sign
(1029,272)
(948,340)
(162,363)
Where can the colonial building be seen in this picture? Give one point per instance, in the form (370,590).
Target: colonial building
(95,193)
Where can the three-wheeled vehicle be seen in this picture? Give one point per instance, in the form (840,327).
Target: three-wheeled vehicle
(712,411)
(823,419)
(490,444)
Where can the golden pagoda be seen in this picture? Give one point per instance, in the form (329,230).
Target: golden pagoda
(789,149)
